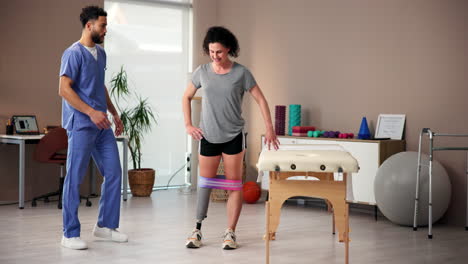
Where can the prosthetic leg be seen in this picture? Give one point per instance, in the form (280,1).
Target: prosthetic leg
(205,185)
(203,200)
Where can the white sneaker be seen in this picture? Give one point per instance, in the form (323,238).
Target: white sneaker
(229,241)
(111,234)
(194,240)
(73,243)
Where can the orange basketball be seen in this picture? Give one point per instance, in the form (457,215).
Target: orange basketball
(249,184)
(251,192)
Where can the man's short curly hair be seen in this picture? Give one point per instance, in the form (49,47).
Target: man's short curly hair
(223,36)
(91,13)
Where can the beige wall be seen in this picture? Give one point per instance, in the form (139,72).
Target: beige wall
(342,60)
(34,35)
(204,16)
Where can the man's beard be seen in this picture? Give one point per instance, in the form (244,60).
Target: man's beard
(96,38)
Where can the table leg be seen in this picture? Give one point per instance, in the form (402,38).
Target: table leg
(466,171)
(330,210)
(347,233)
(125,168)
(21,173)
(267,238)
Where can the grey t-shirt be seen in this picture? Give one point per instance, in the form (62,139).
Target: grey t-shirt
(221,116)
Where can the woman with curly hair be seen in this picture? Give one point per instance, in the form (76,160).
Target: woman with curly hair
(221,129)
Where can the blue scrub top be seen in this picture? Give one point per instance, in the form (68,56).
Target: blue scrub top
(87,75)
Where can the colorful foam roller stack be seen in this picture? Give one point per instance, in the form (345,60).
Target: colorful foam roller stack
(301,131)
(294,117)
(280,120)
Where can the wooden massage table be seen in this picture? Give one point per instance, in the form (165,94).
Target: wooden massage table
(330,164)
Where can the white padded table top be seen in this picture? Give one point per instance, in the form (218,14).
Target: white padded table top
(310,158)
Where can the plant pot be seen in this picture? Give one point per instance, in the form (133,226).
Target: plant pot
(141,182)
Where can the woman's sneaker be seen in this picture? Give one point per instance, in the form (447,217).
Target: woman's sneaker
(194,240)
(229,241)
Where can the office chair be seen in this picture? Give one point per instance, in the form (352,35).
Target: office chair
(52,149)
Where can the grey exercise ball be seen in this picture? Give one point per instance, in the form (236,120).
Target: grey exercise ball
(395,188)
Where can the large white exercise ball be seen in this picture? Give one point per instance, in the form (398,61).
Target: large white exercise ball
(395,188)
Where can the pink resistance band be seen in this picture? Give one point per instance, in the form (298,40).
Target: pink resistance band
(215,183)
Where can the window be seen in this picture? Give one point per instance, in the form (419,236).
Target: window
(151,40)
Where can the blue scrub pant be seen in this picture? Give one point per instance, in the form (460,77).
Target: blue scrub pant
(101,145)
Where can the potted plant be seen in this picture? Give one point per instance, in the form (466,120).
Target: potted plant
(137,121)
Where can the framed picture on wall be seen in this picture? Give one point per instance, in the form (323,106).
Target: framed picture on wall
(390,126)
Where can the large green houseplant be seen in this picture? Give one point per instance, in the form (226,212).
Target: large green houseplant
(137,119)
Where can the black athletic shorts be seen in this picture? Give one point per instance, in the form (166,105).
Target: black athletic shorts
(235,146)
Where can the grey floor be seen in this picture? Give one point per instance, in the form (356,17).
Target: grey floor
(158,226)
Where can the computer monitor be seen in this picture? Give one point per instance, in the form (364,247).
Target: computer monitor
(25,124)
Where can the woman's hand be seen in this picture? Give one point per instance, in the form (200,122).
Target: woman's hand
(195,132)
(271,139)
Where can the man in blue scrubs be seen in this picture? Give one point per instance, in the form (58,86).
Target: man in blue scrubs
(84,115)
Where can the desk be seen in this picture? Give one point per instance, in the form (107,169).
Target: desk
(22,140)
